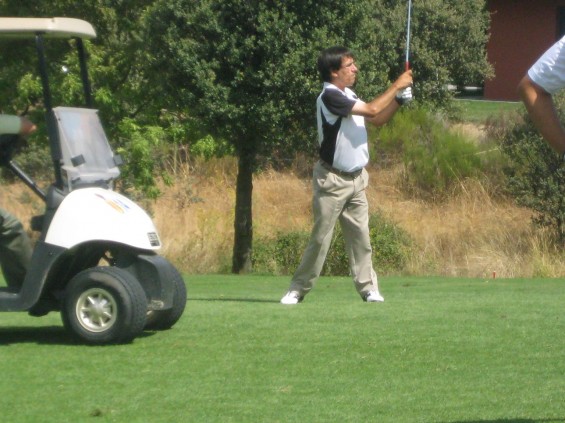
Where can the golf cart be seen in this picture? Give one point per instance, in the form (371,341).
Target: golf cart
(96,258)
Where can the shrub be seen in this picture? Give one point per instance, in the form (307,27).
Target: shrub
(282,254)
(435,159)
(390,245)
(208,147)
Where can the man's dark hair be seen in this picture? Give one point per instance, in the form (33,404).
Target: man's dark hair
(330,60)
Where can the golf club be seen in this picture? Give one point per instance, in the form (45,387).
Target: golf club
(407,61)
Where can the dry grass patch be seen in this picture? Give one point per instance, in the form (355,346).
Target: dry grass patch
(471,234)
(281,203)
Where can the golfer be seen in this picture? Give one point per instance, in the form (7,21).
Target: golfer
(543,79)
(339,177)
(15,246)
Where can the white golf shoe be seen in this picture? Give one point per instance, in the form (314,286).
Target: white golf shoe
(291,298)
(374,297)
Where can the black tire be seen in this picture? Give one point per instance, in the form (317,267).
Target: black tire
(104,305)
(165,319)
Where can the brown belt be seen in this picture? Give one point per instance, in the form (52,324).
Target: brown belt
(341,173)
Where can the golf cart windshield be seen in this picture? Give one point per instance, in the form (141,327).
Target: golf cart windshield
(87,157)
(49,27)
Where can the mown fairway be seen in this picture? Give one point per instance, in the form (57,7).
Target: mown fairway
(438,350)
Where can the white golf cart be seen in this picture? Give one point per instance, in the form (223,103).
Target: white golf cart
(96,259)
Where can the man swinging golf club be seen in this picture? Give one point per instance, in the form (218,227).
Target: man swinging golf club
(339,177)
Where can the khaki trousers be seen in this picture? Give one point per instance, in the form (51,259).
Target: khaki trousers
(15,250)
(338,197)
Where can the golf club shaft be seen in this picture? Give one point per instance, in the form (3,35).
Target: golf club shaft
(407,61)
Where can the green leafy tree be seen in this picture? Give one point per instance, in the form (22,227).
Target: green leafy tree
(449,46)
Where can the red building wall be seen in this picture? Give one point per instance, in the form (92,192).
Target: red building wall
(521,30)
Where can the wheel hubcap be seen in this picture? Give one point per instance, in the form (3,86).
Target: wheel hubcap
(96,310)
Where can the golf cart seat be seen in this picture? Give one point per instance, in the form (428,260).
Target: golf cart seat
(87,157)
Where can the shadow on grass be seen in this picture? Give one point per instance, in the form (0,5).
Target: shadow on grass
(241,300)
(512,421)
(45,335)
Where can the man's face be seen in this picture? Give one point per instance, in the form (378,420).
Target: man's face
(346,75)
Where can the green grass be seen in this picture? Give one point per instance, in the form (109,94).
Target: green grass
(478,111)
(438,350)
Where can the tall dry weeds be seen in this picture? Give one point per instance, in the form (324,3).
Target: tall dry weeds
(471,234)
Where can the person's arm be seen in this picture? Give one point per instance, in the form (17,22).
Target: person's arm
(10,124)
(385,114)
(540,107)
(382,108)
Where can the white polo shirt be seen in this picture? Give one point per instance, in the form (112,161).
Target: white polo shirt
(549,70)
(342,136)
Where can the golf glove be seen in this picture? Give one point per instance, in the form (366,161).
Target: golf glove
(404,96)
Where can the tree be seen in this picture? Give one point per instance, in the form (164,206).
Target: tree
(449,45)
(246,68)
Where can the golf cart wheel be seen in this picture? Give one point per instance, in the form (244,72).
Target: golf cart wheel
(165,319)
(104,305)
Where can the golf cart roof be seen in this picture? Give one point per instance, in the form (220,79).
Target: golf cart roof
(49,27)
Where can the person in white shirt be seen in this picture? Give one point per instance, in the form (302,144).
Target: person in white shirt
(536,89)
(339,177)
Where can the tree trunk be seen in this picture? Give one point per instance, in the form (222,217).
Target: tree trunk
(243,223)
